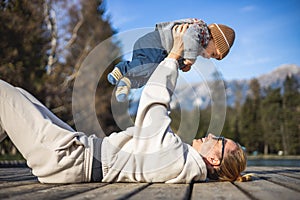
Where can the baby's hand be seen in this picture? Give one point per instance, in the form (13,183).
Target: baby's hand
(178,32)
(187,64)
(186,68)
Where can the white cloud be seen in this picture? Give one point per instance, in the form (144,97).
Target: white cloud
(249,8)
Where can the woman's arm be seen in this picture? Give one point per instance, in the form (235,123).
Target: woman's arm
(157,93)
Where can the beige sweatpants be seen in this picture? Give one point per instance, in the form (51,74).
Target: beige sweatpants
(54,151)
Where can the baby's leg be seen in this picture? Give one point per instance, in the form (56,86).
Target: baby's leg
(51,149)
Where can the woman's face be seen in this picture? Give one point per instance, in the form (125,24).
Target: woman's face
(211,51)
(210,148)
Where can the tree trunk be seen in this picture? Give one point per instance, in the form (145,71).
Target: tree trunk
(266,149)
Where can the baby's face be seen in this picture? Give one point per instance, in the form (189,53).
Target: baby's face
(211,51)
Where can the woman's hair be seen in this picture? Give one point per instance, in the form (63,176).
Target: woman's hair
(231,167)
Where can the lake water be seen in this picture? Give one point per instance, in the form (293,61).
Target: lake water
(274,162)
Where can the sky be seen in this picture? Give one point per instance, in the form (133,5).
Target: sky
(267,31)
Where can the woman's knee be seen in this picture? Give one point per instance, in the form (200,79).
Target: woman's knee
(6,89)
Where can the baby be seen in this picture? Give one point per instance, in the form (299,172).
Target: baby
(213,41)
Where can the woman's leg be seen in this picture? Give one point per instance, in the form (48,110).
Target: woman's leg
(45,111)
(52,150)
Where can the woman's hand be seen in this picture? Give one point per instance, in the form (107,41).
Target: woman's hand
(177,49)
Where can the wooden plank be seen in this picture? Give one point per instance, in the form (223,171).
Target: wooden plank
(266,190)
(58,191)
(7,177)
(22,190)
(16,177)
(14,171)
(4,185)
(274,168)
(292,175)
(271,183)
(292,172)
(112,191)
(217,190)
(12,174)
(163,191)
(278,176)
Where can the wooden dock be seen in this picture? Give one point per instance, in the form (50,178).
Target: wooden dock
(269,183)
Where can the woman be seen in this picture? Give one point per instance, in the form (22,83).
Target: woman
(147,152)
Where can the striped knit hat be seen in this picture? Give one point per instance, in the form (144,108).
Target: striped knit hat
(223,37)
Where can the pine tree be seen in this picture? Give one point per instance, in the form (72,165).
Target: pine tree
(251,134)
(291,116)
(24,42)
(271,112)
(236,113)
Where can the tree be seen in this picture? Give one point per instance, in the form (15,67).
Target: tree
(24,42)
(32,56)
(291,116)
(87,27)
(23,48)
(250,120)
(271,116)
(235,115)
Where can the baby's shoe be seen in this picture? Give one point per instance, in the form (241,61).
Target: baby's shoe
(114,76)
(123,89)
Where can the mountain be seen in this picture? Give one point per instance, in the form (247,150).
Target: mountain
(276,78)
(200,94)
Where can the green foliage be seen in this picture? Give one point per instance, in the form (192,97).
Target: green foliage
(250,119)
(24,42)
(271,114)
(291,115)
